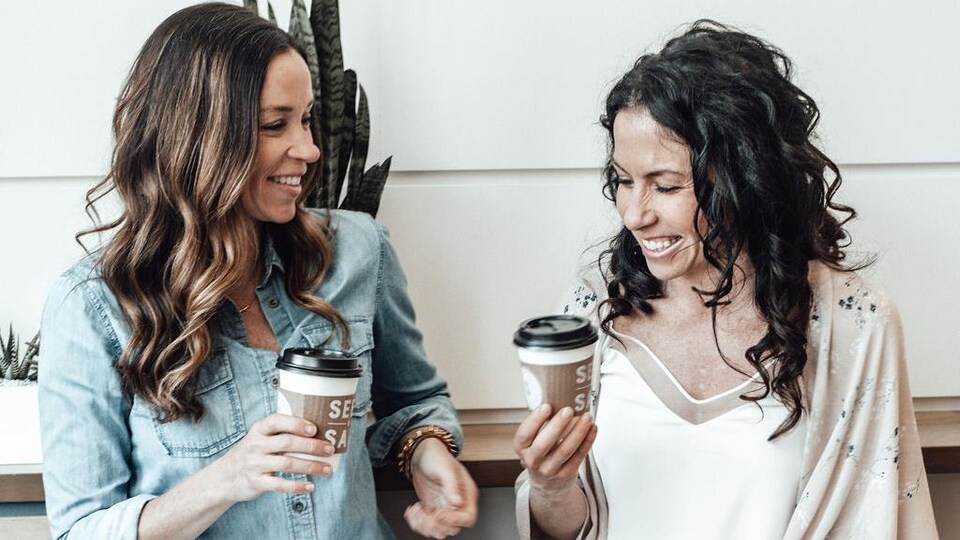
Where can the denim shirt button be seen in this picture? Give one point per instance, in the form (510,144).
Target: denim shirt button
(273,302)
(274,382)
(298,507)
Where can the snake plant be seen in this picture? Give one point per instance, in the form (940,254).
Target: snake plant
(340,119)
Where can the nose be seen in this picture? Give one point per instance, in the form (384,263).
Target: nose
(636,209)
(303,149)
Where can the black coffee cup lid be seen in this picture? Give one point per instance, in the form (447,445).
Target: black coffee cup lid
(321,362)
(555,332)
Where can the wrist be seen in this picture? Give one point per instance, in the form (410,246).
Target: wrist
(557,495)
(431,445)
(216,484)
(412,441)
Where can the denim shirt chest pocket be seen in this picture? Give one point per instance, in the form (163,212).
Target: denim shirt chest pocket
(317,335)
(222,422)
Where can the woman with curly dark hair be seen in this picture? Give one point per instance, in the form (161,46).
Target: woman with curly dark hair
(748,384)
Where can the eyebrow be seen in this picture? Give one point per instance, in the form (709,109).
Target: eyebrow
(652,174)
(283,108)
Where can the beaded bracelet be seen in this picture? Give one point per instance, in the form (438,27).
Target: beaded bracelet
(405,455)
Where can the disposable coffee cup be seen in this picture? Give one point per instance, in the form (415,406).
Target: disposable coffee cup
(319,385)
(556,361)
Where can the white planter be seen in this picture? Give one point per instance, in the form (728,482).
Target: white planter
(19,423)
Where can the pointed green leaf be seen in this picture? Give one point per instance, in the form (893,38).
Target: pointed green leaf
(361,141)
(301,31)
(325,21)
(349,120)
(33,347)
(21,372)
(366,198)
(322,196)
(270,14)
(9,349)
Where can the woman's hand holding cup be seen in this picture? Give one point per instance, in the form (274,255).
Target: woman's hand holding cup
(556,358)
(248,470)
(552,449)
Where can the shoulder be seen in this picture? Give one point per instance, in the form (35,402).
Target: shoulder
(854,302)
(350,228)
(81,281)
(358,247)
(584,296)
(81,303)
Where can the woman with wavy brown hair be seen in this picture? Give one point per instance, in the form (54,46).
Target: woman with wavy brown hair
(158,389)
(748,384)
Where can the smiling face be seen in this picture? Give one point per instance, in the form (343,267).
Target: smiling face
(656,201)
(284,144)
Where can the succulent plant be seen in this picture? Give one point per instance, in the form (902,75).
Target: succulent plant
(340,120)
(15,367)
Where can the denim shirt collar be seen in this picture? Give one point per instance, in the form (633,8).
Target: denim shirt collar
(229,319)
(271,259)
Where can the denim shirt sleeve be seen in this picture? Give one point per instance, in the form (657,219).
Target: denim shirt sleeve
(407,391)
(83,418)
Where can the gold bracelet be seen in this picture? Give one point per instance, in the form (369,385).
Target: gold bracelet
(405,455)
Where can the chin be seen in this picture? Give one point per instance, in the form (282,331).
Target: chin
(665,273)
(286,218)
(278,218)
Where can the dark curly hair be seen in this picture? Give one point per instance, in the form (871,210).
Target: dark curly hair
(761,184)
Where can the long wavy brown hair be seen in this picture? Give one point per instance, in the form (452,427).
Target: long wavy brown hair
(186,129)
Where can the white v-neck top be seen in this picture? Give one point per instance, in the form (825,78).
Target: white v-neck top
(677,468)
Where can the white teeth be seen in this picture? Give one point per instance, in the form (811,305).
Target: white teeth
(286,180)
(659,245)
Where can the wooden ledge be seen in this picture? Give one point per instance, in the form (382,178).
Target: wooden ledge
(488,451)
(940,440)
(488,455)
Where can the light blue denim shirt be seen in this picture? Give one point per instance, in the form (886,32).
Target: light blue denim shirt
(105,455)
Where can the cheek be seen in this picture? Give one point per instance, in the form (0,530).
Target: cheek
(251,192)
(266,156)
(685,212)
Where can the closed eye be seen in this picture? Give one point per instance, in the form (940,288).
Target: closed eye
(616,177)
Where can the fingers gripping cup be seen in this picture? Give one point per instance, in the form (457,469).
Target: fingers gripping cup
(556,361)
(319,385)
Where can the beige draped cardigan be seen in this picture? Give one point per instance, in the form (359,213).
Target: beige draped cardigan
(862,471)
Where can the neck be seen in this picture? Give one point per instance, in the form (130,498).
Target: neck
(682,296)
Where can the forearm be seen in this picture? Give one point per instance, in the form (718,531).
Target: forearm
(186,510)
(559,515)
(385,437)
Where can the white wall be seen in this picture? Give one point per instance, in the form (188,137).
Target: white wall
(493,85)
